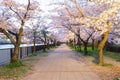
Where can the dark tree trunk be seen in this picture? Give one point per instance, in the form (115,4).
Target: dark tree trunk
(79,44)
(80,47)
(15,55)
(51,42)
(45,44)
(34,42)
(85,48)
(54,42)
(48,45)
(93,44)
(18,35)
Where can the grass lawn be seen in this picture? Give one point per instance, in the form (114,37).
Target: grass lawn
(94,53)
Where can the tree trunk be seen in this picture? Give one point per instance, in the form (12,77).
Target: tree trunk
(45,44)
(44,49)
(102,44)
(54,42)
(80,47)
(51,41)
(85,48)
(48,45)
(34,42)
(93,44)
(14,58)
(79,44)
(74,43)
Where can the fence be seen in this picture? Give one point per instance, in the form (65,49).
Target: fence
(6,51)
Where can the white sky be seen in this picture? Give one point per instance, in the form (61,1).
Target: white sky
(44,3)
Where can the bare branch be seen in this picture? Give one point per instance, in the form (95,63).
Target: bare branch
(28,6)
(69,12)
(79,8)
(16,12)
(8,35)
(13,33)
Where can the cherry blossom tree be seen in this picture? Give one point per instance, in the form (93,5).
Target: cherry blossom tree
(35,29)
(99,15)
(102,22)
(13,18)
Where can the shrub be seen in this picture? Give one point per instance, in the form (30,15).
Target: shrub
(17,64)
(34,54)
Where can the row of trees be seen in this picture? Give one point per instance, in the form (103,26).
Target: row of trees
(90,20)
(13,18)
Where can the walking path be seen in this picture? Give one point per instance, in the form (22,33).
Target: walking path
(61,64)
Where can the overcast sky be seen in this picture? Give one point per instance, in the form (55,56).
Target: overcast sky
(44,3)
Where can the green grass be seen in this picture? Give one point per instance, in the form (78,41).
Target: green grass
(19,69)
(17,64)
(112,55)
(33,54)
(94,53)
(13,72)
(53,47)
(107,64)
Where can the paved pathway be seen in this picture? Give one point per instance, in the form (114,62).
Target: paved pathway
(61,64)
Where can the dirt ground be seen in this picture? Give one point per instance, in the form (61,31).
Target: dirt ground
(65,64)
(108,72)
(61,64)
